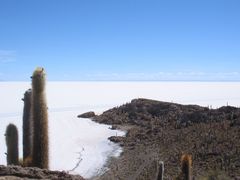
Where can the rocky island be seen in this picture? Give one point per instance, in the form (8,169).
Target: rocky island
(164,131)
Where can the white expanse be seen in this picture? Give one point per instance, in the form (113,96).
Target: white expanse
(70,135)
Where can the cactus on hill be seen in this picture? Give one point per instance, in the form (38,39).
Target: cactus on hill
(12,145)
(161,170)
(27,126)
(186,166)
(40,120)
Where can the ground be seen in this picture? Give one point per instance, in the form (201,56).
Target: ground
(30,173)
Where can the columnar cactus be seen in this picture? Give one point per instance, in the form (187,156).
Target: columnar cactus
(12,145)
(186,166)
(27,126)
(161,171)
(40,120)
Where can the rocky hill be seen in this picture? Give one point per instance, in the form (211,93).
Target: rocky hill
(164,131)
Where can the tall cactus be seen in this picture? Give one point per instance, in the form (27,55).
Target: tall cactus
(186,166)
(12,145)
(27,126)
(161,170)
(40,120)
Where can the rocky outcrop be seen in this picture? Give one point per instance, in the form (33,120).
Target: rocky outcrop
(29,173)
(117,139)
(90,114)
(144,112)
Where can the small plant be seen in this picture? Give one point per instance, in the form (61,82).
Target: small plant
(40,120)
(12,145)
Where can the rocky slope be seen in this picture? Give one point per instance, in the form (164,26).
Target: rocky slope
(164,131)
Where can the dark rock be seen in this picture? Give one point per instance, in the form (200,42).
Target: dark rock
(90,114)
(116,139)
(235,122)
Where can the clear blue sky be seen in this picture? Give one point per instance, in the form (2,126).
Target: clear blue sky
(120,39)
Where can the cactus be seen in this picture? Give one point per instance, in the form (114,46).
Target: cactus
(160,171)
(186,166)
(27,162)
(40,120)
(12,145)
(27,126)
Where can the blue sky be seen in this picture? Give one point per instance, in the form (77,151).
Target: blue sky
(120,39)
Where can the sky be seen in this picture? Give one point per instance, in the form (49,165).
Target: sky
(120,40)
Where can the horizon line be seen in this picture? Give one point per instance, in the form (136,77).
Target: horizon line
(126,81)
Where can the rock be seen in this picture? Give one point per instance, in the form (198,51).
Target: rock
(89,114)
(116,139)
(18,172)
(113,127)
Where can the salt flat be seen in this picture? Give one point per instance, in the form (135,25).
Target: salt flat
(70,135)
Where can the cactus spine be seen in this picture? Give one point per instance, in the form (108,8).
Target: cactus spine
(27,126)
(12,145)
(40,120)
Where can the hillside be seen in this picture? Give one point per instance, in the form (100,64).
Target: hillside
(164,131)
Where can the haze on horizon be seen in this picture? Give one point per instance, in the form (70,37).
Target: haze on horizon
(127,40)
